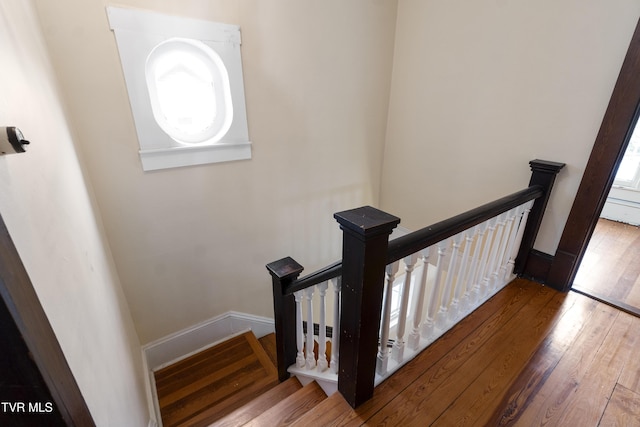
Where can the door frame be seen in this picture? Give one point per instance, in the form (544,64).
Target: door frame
(613,137)
(16,289)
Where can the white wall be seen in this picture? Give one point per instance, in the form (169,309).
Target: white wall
(192,243)
(50,215)
(480,88)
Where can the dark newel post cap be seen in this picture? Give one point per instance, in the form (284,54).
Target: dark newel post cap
(546,166)
(366,221)
(285,268)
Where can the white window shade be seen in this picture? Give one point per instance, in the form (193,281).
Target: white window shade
(184,79)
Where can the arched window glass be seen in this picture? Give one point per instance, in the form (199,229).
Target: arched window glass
(189,90)
(185,85)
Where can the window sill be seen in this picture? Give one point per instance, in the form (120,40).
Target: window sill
(625,187)
(175,157)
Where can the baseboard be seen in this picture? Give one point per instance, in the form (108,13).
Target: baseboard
(563,270)
(152,398)
(537,266)
(161,352)
(622,205)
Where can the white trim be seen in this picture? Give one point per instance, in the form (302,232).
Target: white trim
(327,380)
(194,155)
(626,211)
(144,21)
(155,402)
(203,335)
(155,418)
(137,34)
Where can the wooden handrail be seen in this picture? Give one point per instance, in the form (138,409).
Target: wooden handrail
(413,242)
(329,272)
(366,252)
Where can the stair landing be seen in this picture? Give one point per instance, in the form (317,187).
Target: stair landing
(213,383)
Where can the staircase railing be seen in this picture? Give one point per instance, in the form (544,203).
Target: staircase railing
(388,300)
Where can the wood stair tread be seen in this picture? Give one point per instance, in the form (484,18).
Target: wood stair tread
(268,342)
(290,409)
(213,383)
(260,404)
(328,412)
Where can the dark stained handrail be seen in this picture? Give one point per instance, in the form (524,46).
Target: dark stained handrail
(329,272)
(413,242)
(366,251)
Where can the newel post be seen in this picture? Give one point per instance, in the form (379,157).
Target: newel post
(366,233)
(543,172)
(283,273)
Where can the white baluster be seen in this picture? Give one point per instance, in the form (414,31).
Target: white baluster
(418,301)
(428,327)
(398,346)
(484,261)
(521,227)
(322,334)
(460,289)
(311,359)
(475,276)
(445,299)
(493,258)
(335,336)
(473,243)
(515,221)
(498,273)
(442,318)
(299,330)
(383,352)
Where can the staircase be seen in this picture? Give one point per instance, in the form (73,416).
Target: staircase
(234,383)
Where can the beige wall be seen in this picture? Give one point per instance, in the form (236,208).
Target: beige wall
(192,243)
(480,88)
(50,215)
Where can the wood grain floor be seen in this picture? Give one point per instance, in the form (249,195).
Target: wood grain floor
(208,385)
(529,357)
(610,269)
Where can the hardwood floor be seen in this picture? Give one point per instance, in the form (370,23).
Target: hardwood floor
(529,356)
(610,270)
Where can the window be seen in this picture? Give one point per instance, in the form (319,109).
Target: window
(189,91)
(628,175)
(184,79)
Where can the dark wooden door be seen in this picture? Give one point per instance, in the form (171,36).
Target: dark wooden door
(37,387)
(25,399)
